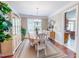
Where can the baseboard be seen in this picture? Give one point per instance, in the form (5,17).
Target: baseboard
(64,45)
(59,42)
(8,56)
(17,47)
(70,48)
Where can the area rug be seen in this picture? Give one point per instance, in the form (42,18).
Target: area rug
(52,52)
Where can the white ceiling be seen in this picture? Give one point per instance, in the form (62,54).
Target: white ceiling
(45,7)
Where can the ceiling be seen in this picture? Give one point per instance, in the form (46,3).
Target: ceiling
(46,8)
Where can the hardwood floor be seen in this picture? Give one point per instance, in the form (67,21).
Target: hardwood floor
(67,51)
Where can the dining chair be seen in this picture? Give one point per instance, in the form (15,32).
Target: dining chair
(42,44)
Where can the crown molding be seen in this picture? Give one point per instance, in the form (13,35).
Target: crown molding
(64,8)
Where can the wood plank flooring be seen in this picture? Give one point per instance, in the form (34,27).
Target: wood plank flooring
(67,51)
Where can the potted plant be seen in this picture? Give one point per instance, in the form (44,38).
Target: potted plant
(23,33)
(5,25)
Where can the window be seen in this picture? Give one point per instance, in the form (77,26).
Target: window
(71,26)
(70,20)
(33,24)
(16,26)
(13,29)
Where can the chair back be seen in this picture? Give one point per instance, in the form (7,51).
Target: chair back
(42,37)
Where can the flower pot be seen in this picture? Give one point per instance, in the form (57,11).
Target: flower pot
(6,48)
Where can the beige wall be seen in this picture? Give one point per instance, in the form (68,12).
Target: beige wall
(44,23)
(25,17)
(24,22)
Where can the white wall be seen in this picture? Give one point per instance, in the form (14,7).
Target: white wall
(59,25)
(59,29)
(77,41)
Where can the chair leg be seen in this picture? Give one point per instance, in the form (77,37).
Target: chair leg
(45,52)
(35,47)
(37,53)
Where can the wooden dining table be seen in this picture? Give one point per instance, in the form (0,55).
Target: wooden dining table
(34,39)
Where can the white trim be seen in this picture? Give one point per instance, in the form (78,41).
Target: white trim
(77,41)
(59,42)
(17,47)
(71,8)
(65,45)
(72,49)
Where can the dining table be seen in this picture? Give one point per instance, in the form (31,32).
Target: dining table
(34,40)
